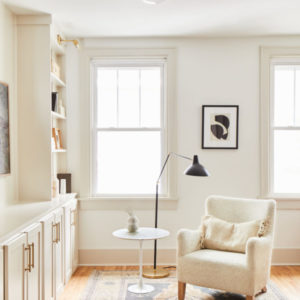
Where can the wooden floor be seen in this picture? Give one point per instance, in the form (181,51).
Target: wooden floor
(287,279)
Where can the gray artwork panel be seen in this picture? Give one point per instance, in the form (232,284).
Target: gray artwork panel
(4,130)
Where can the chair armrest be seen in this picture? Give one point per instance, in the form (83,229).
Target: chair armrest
(259,252)
(188,241)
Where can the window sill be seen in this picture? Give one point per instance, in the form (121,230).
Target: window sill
(285,202)
(95,203)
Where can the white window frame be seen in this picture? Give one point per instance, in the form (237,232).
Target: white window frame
(269,58)
(130,64)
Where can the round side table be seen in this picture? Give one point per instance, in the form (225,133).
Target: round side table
(143,233)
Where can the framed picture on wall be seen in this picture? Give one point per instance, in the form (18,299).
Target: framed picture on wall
(220,126)
(4,130)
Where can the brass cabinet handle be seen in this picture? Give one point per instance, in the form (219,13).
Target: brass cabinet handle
(32,255)
(58,232)
(73,215)
(28,248)
(55,226)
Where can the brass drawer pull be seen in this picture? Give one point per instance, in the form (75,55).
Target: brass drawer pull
(28,249)
(32,255)
(58,232)
(54,226)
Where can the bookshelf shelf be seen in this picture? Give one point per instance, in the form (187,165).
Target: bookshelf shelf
(57,116)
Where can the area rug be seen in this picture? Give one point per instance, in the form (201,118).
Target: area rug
(113,285)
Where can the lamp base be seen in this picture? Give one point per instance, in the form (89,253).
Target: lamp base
(155,273)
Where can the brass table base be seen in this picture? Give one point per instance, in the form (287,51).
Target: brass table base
(155,273)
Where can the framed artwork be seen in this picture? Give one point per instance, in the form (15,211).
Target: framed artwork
(4,130)
(67,177)
(220,126)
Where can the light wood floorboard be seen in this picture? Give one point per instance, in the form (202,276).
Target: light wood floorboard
(287,279)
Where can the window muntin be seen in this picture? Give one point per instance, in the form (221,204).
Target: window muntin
(129,134)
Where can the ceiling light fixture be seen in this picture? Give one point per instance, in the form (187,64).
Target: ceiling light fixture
(153,2)
(60,40)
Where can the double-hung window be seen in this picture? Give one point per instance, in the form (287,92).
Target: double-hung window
(128,127)
(284,127)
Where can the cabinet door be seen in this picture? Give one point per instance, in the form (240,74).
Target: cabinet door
(74,236)
(33,290)
(1,275)
(59,252)
(47,256)
(15,259)
(70,258)
(67,253)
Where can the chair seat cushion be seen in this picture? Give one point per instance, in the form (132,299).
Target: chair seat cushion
(215,269)
(222,235)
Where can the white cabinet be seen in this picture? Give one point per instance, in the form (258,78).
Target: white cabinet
(70,257)
(16,261)
(1,274)
(48,236)
(33,276)
(38,261)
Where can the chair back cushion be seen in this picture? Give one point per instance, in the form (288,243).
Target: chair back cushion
(238,210)
(226,236)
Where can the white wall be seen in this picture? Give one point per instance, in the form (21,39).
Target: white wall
(8,183)
(209,71)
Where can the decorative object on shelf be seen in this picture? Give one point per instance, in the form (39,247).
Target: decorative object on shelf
(61,108)
(62,186)
(54,101)
(220,126)
(60,40)
(195,169)
(67,177)
(133,222)
(56,134)
(55,187)
(4,129)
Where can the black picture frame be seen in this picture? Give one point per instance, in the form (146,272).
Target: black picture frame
(221,132)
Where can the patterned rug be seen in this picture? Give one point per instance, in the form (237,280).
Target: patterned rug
(113,285)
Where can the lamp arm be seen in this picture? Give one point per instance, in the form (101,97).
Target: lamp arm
(165,163)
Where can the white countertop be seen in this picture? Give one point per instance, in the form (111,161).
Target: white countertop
(14,218)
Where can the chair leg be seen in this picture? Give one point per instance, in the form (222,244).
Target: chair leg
(250,297)
(181,290)
(264,289)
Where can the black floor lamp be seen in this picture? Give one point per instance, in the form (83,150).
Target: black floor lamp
(195,169)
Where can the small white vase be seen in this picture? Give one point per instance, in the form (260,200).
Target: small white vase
(133,223)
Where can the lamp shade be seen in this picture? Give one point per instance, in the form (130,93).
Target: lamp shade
(196,169)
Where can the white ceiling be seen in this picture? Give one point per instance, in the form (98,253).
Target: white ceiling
(132,18)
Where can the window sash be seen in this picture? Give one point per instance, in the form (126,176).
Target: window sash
(272,128)
(144,65)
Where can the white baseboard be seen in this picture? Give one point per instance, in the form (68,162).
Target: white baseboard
(123,257)
(109,257)
(286,256)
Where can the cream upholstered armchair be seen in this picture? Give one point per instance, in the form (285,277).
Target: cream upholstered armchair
(243,273)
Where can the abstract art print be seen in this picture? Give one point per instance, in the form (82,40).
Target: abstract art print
(220,126)
(4,130)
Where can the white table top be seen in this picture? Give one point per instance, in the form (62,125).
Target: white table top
(143,233)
